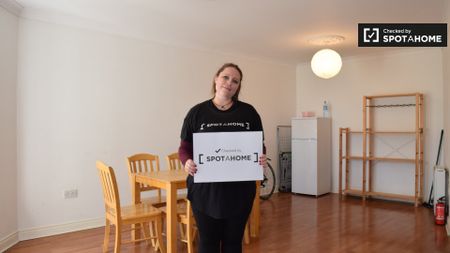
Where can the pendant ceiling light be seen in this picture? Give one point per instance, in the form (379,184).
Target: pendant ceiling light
(326,63)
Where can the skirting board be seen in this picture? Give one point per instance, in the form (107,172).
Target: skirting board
(9,241)
(33,233)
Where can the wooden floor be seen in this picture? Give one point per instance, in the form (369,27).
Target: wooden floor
(293,223)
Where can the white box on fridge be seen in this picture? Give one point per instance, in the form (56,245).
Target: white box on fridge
(311,156)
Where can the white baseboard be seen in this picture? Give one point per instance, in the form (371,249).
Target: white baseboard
(9,241)
(32,233)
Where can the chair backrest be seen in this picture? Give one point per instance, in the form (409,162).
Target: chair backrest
(110,191)
(174,162)
(143,163)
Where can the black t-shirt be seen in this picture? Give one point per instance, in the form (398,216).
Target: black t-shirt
(221,199)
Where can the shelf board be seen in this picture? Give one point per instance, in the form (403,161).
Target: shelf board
(395,95)
(391,195)
(352,157)
(391,132)
(380,159)
(384,132)
(353,192)
(380,194)
(392,159)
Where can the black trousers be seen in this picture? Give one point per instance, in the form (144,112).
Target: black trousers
(220,235)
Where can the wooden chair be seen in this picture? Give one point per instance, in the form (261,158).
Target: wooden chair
(144,163)
(247,232)
(190,231)
(144,213)
(187,223)
(174,162)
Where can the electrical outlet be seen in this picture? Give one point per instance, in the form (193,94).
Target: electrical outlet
(71,194)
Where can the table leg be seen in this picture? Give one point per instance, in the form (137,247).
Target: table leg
(171,219)
(136,198)
(254,215)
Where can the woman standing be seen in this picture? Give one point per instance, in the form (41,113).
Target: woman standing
(221,209)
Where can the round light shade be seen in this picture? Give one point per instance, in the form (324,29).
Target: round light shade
(326,63)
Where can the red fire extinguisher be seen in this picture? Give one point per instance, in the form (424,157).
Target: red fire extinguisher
(440,213)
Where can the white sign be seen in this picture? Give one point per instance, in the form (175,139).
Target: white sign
(228,156)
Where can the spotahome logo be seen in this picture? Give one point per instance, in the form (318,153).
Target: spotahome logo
(228,155)
(402,35)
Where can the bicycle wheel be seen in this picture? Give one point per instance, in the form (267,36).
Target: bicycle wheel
(268,183)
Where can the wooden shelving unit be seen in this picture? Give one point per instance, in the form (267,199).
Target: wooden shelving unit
(368,158)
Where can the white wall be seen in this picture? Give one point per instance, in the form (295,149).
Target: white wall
(8,145)
(85,96)
(405,71)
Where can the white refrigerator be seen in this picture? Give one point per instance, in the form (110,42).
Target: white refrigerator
(311,156)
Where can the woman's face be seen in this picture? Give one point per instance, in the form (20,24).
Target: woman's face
(227,83)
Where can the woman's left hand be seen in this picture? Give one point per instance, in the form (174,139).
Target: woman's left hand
(263,160)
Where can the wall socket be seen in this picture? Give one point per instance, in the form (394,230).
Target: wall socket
(71,194)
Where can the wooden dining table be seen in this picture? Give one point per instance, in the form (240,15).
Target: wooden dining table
(171,181)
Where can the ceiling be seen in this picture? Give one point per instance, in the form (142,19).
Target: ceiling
(276,30)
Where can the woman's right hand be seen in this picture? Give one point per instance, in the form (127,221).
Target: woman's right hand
(190,167)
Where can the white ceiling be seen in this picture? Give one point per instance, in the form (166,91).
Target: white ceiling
(278,30)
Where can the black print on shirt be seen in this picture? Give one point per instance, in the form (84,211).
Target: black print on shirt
(245,125)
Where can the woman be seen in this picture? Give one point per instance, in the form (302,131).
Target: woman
(221,209)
